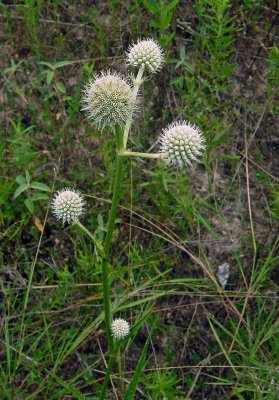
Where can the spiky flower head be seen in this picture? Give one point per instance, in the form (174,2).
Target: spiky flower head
(147,53)
(67,204)
(182,143)
(120,328)
(108,100)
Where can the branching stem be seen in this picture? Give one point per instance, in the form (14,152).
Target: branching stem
(137,84)
(141,155)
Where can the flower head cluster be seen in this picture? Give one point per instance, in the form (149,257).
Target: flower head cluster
(67,204)
(146,53)
(182,143)
(120,328)
(108,100)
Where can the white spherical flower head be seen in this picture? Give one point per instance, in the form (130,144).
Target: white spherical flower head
(108,100)
(67,204)
(146,53)
(120,328)
(182,143)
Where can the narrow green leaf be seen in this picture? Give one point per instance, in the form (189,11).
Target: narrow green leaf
(61,64)
(27,175)
(61,87)
(49,78)
(135,378)
(70,388)
(47,64)
(150,7)
(141,301)
(171,6)
(221,344)
(29,205)
(206,224)
(39,196)
(136,327)
(20,189)
(40,186)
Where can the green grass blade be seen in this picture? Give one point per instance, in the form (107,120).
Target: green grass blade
(130,393)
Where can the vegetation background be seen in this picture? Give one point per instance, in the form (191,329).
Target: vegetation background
(175,228)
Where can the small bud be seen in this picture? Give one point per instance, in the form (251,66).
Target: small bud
(67,204)
(182,143)
(108,100)
(146,53)
(120,328)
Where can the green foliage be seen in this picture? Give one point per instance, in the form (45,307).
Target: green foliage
(162,385)
(273,78)
(30,11)
(274,202)
(130,393)
(34,191)
(216,38)
(162,11)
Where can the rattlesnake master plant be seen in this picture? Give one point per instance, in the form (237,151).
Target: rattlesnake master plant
(146,53)
(68,204)
(108,100)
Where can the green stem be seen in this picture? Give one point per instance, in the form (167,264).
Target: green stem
(97,243)
(137,84)
(141,155)
(107,376)
(116,190)
(105,274)
(105,265)
(109,369)
(121,370)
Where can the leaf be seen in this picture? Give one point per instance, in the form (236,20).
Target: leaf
(47,64)
(20,189)
(135,378)
(69,387)
(206,224)
(171,6)
(49,78)
(137,325)
(61,87)
(100,220)
(27,175)
(38,224)
(61,64)
(165,182)
(39,196)
(40,186)
(29,205)
(219,138)
(150,7)
(66,98)
(20,180)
